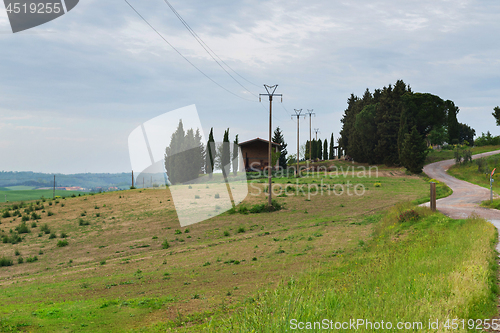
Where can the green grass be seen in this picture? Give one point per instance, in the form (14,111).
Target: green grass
(20,195)
(69,290)
(432,268)
(470,173)
(441,155)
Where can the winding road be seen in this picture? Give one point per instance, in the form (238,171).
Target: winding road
(466,197)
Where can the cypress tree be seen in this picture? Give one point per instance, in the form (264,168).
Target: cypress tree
(325,150)
(225,157)
(319,147)
(210,154)
(331,156)
(235,155)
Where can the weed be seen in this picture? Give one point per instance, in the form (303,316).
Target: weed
(241,230)
(33,225)
(20,260)
(22,228)
(186,231)
(195,296)
(102,262)
(81,222)
(178,232)
(226,233)
(49,213)
(32,259)
(63,235)
(206,264)
(52,236)
(408,215)
(165,245)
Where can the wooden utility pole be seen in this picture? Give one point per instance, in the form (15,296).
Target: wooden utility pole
(270,93)
(433,196)
(297,114)
(310,113)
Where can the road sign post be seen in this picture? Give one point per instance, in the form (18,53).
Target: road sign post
(491,184)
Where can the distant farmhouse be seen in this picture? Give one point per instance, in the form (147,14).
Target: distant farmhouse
(255,154)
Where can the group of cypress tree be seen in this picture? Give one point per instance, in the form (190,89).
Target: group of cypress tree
(321,150)
(187,157)
(391,126)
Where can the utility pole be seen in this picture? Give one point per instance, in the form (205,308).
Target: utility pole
(297,114)
(310,113)
(132,178)
(316,130)
(54,189)
(491,185)
(270,92)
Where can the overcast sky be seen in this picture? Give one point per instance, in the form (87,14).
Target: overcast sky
(72,90)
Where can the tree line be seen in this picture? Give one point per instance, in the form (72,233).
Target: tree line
(394,125)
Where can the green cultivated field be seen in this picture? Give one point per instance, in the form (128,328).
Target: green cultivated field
(25,195)
(120,262)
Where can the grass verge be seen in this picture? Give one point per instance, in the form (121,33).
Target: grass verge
(427,267)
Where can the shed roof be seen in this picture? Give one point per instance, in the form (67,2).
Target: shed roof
(258,140)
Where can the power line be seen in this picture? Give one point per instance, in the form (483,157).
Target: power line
(207,48)
(166,41)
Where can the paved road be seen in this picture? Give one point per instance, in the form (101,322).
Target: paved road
(466,197)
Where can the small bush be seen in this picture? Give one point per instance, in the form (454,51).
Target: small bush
(165,244)
(16,252)
(25,218)
(45,228)
(22,228)
(32,259)
(6,262)
(82,222)
(52,236)
(178,232)
(103,262)
(33,224)
(20,260)
(83,213)
(35,216)
(241,230)
(49,213)
(64,235)
(6,214)
(226,233)
(186,231)
(62,243)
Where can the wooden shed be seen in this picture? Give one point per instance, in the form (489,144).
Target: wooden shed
(255,154)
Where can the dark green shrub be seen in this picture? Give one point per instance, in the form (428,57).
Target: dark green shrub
(6,262)
(35,216)
(63,235)
(52,236)
(49,213)
(6,214)
(33,224)
(165,244)
(22,228)
(241,230)
(20,260)
(32,259)
(178,232)
(82,222)
(226,233)
(62,243)
(25,218)
(16,252)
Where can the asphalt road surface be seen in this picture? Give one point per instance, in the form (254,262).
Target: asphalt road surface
(466,197)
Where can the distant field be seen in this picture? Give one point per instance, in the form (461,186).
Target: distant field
(25,195)
(20,188)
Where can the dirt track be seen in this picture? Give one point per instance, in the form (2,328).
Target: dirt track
(466,197)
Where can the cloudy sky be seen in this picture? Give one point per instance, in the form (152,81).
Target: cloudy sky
(72,90)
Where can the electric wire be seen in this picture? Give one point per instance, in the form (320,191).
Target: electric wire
(205,46)
(166,41)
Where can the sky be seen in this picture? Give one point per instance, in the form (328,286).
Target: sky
(72,90)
